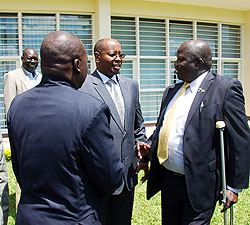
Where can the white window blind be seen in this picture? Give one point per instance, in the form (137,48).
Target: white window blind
(81,26)
(123,29)
(209,33)
(231,41)
(34,29)
(230,69)
(150,104)
(152,37)
(127,68)
(8,34)
(179,31)
(152,73)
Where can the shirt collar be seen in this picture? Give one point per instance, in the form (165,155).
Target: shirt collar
(105,78)
(30,75)
(195,84)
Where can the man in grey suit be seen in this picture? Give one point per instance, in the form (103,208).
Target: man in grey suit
(122,96)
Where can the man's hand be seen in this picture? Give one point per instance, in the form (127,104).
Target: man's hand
(143,166)
(231,198)
(143,149)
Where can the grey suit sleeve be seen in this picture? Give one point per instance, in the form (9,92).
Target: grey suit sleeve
(102,162)
(4,190)
(238,136)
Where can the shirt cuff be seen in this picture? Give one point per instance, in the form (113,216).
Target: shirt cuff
(235,190)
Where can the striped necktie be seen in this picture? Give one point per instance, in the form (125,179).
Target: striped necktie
(117,99)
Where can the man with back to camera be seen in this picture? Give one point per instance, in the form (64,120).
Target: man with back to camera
(185,150)
(122,96)
(56,136)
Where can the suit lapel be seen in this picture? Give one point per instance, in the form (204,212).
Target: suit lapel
(202,91)
(24,79)
(105,96)
(166,99)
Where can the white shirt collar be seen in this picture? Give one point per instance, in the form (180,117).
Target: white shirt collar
(105,78)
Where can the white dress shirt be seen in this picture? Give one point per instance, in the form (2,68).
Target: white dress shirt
(117,85)
(175,144)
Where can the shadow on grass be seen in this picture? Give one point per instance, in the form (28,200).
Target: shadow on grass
(12,210)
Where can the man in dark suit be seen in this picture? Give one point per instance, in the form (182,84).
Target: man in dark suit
(189,175)
(57,136)
(126,124)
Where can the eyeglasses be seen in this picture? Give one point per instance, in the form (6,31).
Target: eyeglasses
(115,55)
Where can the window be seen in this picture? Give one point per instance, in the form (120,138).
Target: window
(79,25)
(30,34)
(123,30)
(8,35)
(151,45)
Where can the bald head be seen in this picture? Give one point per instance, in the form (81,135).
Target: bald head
(30,59)
(199,49)
(64,56)
(193,59)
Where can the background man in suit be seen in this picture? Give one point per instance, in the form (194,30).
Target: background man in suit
(57,136)
(19,80)
(126,124)
(190,178)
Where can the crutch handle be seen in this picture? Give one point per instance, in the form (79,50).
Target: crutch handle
(220,124)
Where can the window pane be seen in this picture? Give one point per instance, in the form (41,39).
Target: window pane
(230,69)
(179,32)
(152,73)
(150,104)
(127,68)
(8,35)
(174,79)
(123,29)
(152,37)
(79,25)
(231,41)
(5,66)
(208,32)
(35,28)
(214,68)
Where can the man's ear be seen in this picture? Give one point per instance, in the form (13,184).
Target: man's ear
(76,65)
(199,62)
(97,57)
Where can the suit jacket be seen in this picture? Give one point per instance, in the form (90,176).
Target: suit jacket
(218,98)
(57,136)
(134,131)
(16,82)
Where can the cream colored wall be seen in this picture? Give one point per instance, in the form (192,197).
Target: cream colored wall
(246,71)
(103,8)
(48,6)
(166,10)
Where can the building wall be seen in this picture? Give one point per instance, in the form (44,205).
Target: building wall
(102,9)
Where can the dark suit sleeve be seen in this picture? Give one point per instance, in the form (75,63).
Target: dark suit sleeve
(139,128)
(102,162)
(238,137)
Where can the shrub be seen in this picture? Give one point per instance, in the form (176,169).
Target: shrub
(7,154)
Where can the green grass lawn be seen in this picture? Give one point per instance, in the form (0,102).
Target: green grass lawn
(149,212)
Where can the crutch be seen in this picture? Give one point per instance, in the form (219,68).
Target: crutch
(221,126)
